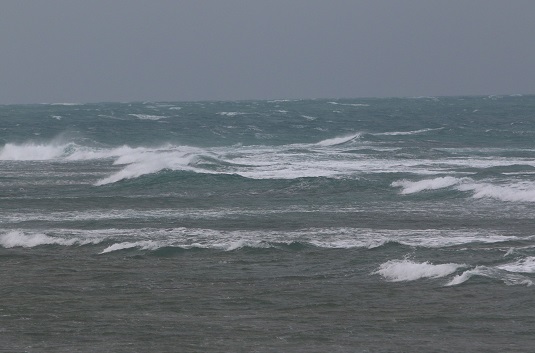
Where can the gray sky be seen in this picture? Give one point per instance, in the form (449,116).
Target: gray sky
(110,50)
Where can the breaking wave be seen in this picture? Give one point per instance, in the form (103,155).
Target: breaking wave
(407,270)
(32,151)
(512,192)
(16,238)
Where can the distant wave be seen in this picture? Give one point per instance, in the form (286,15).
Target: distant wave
(231,113)
(396,133)
(148,117)
(512,192)
(333,158)
(407,270)
(350,104)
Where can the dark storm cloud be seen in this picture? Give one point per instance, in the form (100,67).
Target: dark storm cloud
(81,51)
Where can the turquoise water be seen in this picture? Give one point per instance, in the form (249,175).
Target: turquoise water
(347,225)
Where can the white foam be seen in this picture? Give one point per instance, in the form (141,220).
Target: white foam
(406,270)
(526,265)
(31,152)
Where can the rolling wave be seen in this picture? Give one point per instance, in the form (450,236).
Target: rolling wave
(187,238)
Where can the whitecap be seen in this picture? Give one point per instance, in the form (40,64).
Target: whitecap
(407,270)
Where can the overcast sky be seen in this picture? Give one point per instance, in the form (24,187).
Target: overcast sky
(109,50)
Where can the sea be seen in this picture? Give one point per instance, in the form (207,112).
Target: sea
(324,225)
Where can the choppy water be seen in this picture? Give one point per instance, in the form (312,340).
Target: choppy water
(357,225)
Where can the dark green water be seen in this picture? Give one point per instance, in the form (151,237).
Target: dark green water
(363,225)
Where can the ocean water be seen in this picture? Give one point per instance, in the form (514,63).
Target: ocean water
(346,225)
